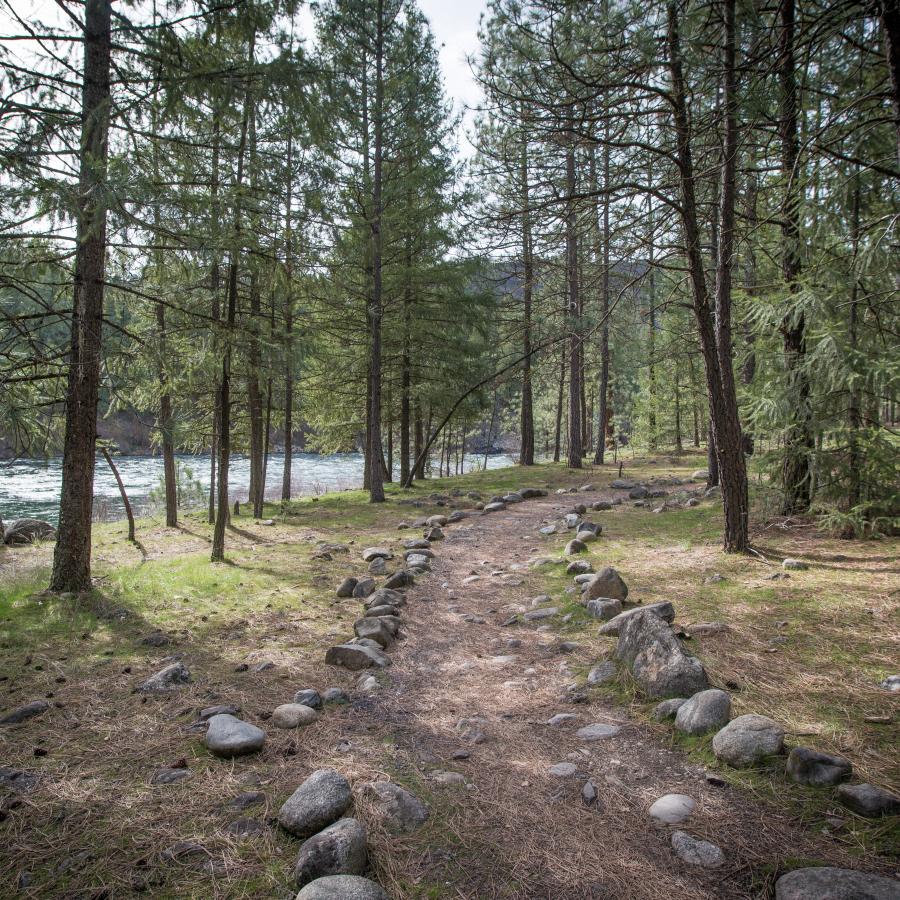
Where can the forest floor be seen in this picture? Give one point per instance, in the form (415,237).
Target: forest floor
(808,650)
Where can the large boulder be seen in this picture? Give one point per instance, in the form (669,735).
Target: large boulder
(228,736)
(807,766)
(831,883)
(607,584)
(704,712)
(339,849)
(27,531)
(346,587)
(658,662)
(342,887)
(664,609)
(356,656)
(375,629)
(397,808)
(322,799)
(747,740)
(363,588)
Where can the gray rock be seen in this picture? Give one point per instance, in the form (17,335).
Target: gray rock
(695,852)
(168,679)
(156,639)
(309,697)
(170,776)
(293,715)
(342,887)
(747,740)
(700,474)
(868,800)
(547,530)
(434,534)
(400,810)
(597,732)
(26,712)
(400,579)
(27,531)
(601,505)
(339,849)
(436,521)
(667,709)
(664,609)
(245,828)
(356,657)
(228,736)
(607,584)
(891,683)
(575,546)
(589,793)
(374,629)
(543,613)
(795,564)
(585,537)
(620,484)
(385,597)
(705,711)
(561,719)
(364,587)
(657,661)
(322,799)
(572,520)
(335,695)
(371,553)
(470,730)
(18,780)
(530,493)
(563,769)
(638,493)
(588,528)
(606,671)
(346,587)
(246,800)
(604,609)
(378,566)
(417,544)
(673,809)
(376,612)
(831,883)
(495,507)
(579,567)
(418,561)
(807,766)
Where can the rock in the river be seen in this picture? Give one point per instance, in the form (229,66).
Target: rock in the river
(663,609)
(796,564)
(26,712)
(346,587)
(695,852)
(371,553)
(607,584)
(309,697)
(575,546)
(339,849)
(355,657)
(673,809)
(597,732)
(374,629)
(668,709)
(604,609)
(293,715)
(807,766)
(27,531)
(168,679)
(657,660)
(363,588)
(831,883)
(322,799)
(397,808)
(342,887)
(747,740)
(228,736)
(868,800)
(704,711)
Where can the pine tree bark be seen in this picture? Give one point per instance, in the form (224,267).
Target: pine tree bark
(288,335)
(526,448)
(890,24)
(72,554)
(575,454)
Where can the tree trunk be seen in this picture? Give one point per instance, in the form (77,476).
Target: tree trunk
(559,407)
(72,554)
(574,425)
(170,478)
(603,397)
(526,449)
(129,515)
(890,23)
(854,406)
(419,470)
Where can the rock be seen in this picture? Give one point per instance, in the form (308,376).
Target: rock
(246,800)
(604,609)
(606,585)
(400,810)
(530,493)
(400,579)
(638,493)
(322,799)
(18,780)
(293,715)
(807,766)
(245,828)
(376,612)
(470,730)
(346,587)
(309,697)
(335,695)
(208,712)
(228,736)
(747,740)
(673,809)
(563,770)
(339,849)
(385,597)
(363,588)
(170,776)
(543,613)
(664,610)
(367,684)
(795,564)
(667,709)
(601,505)
(579,567)
(572,520)
(597,732)
(436,521)
(657,661)
(620,484)
(589,793)
(868,800)
(342,887)
(156,639)
(891,683)
(378,566)
(704,712)
(27,531)
(700,474)
(701,628)
(830,883)
(418,561)
(495,507)
(585,537)
(184,851)
(168,679)
(434,534)
(417,544)
(266,666)
(695,852)
(371,553)
(355,657)
(575,546)
(26,712)
(606,671)
(561,719)
(374,629)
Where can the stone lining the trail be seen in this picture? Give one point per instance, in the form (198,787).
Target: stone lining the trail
(705,711)
(831,883)
(398,809)
(664,610)
(228,736)
(807,766)
(607,584)
(342,887)
(339,849)
(696,852)
(26,712)
(356,657)
(673,809)
(170,678)
(868,800)
(309,697)
(748,740)
(321,800)
(293,715)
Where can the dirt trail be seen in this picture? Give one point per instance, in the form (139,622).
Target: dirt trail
(515,830)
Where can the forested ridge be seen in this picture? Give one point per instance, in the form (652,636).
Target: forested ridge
(666,225)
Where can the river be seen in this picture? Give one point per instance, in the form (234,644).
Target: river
(32,487)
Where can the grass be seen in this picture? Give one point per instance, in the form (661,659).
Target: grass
(809,650)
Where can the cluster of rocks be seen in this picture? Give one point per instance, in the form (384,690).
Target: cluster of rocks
(26,531)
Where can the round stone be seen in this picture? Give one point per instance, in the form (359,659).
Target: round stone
(293,715)
(342,887)
(695,852)
(831,883)
(747,740)
(597,732)
(318,802)
(673,809)
(704,711)
(228,736)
